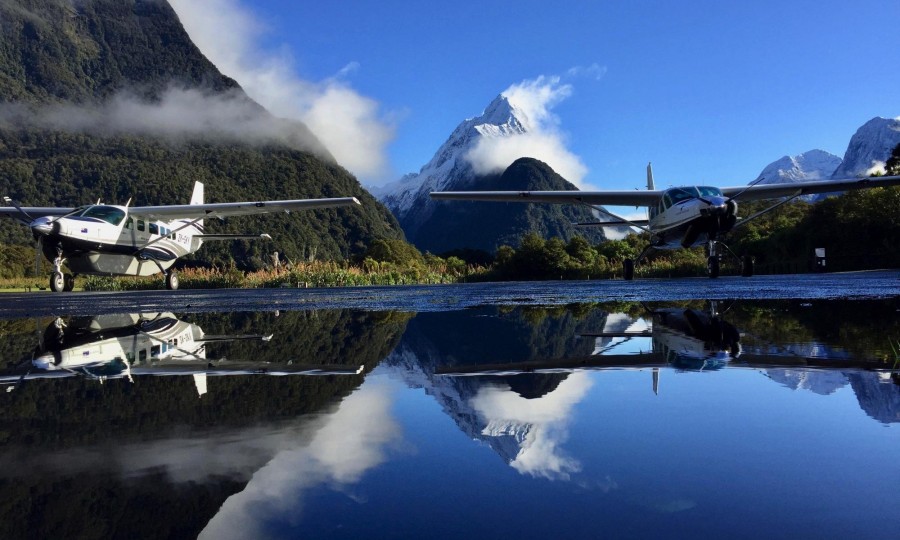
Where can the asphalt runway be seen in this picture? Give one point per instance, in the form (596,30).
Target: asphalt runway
(850,285)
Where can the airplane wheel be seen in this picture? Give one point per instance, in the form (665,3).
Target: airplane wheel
(628,267)
(57,282)
(746,266)
(172,280)
(712,267)
(68,282)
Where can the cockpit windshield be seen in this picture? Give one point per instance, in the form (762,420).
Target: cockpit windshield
(709,191)
(679,194)
(109,214)
(682,194)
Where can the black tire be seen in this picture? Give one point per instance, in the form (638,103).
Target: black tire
(69,282)
(747,266)
(712,267)
(172,280)
(628,269)
(57,282)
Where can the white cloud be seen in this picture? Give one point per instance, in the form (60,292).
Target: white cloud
(878,167)
(180,113)
(543,421)
(348,443)
(543,140)
(349,124)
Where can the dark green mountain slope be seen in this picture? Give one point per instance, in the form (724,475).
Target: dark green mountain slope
(485,225)
(86,111)
(82,51)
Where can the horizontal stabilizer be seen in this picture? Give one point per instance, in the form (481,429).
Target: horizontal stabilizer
(641,222)
(208,237)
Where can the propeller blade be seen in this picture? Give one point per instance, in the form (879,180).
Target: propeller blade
(28,218)
(741,192)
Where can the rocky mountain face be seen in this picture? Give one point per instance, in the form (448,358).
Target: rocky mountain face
(444,226)
(869,148)
(110,99)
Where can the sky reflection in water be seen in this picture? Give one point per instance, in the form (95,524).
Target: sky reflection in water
(627,420)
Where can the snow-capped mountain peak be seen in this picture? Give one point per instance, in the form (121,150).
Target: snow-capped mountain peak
(449,168)
(805,167)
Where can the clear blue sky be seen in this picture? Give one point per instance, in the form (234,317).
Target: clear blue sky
(710,91)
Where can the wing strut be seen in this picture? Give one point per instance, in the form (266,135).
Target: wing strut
(605,223)
(767,210)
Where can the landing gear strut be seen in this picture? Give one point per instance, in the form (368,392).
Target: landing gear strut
(171,275)
(629,264)
(713,259)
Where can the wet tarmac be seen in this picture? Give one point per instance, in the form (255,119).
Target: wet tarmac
(850,285)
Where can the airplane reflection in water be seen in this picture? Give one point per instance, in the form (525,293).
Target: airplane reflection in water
(687,339)
(129,345)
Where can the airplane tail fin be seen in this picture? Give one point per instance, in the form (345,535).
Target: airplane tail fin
(197,195)
(650,184)
(197,198)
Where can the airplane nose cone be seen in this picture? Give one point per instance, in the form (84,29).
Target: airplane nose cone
(44,361)
(718,203)
(42,226)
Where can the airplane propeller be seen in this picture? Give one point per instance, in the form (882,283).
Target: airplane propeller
(28,218)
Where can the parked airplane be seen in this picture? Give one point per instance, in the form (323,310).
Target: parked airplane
(103,239)
(684,339)
(679,217)
(126,345)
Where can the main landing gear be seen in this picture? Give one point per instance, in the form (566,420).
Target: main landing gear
(713,261)
(172,280)
(171,275)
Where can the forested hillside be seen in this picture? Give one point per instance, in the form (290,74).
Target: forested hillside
(110,99)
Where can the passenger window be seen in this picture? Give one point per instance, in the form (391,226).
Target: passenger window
(142,355)
(128,223)
(154,228)
(140,225)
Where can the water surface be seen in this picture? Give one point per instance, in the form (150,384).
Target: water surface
(775,418)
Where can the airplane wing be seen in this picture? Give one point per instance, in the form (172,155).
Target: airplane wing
(188,211)
(34,211)
(651,197)
(612,198)
(774,191)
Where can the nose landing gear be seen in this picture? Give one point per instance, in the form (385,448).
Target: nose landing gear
(714,257)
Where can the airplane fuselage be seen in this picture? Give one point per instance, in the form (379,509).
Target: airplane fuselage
(105,240)
(108,345)
(690,216)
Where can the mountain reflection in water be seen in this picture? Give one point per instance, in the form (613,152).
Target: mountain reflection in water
(108,413)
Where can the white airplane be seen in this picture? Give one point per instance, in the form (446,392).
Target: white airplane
(679,217)
(126,345)
(103,239)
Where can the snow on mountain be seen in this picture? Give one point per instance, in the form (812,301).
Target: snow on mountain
(869,148)
(449,169)
(805,167)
